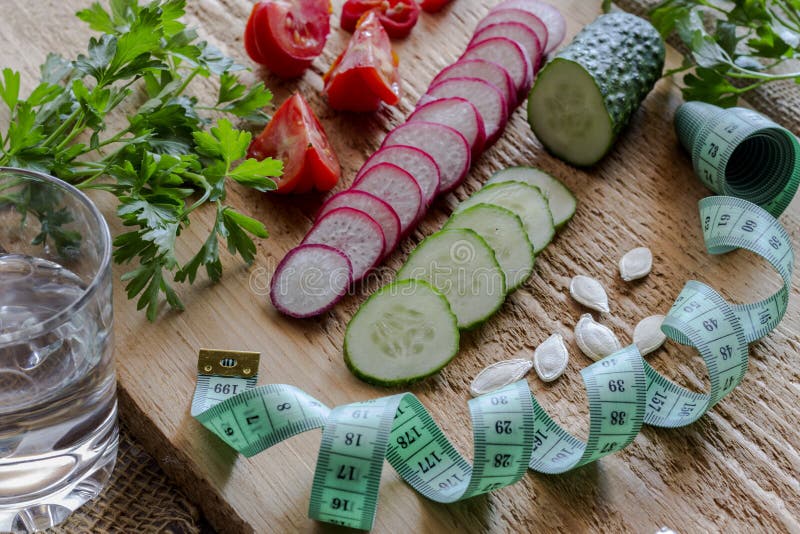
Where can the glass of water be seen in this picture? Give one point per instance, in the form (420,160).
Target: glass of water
(58,409)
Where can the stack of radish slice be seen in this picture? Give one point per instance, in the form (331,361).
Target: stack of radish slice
(464,111)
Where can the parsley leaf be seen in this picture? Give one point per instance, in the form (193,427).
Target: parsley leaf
(750,37)
(169,160)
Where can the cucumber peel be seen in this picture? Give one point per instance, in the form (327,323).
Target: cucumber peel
(526,201)
(586,95)
(403,333)
(462,266)
(560,200)
(504,233)
(455,279)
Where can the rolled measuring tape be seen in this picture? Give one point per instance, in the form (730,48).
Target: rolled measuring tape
(511,431)
(741,153)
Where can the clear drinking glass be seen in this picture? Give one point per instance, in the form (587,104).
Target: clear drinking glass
(58,408)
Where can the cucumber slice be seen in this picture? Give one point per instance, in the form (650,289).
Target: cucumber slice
(504,233)
(526,201)
(404,332)
(560,200)
(568,115)
(464,269)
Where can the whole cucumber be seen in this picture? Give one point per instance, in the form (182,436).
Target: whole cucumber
(586,95)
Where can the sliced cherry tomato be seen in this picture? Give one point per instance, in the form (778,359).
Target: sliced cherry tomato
(295,136)
(366,72)
(396,16)
(286,35)
(432,6)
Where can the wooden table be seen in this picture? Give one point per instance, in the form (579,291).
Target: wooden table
(734,469)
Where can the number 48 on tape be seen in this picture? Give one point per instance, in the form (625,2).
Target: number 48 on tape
(511,431)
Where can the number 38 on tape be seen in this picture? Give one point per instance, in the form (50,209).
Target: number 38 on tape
(511,431)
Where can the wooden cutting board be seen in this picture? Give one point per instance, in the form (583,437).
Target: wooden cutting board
(735,469)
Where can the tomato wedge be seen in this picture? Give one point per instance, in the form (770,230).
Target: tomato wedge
(432,6)
(365,74)
(398,17)
(286,35)
(295,136)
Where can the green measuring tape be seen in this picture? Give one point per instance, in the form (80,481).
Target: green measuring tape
(511,431)
(741,153)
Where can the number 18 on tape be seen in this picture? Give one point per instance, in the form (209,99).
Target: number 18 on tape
(511,431)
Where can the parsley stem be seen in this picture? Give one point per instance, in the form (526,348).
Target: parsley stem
(109,188)
(118,138)
(77,129)
(88,182)
(211,108)
(712,6)
(200,201)
(93,166)
(752,86)
(155,166)
(676,70)
(97,168)
(187,81)
(201,181)
(66,123)
(751,74)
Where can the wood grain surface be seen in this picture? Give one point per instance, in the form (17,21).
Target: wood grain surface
(734,470)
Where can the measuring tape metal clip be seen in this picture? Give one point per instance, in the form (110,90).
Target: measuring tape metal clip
(511,431)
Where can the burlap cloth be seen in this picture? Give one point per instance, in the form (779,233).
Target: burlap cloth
(141,499)
(779,100)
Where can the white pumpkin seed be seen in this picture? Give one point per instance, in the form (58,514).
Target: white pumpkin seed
(637,263)
(499,374)
(595,340)
(647,336)
(589,292)
(550,358)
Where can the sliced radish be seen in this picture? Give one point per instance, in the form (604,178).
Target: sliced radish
(309,280)
(501,14)
(507,53)
(490,71)
(520,34)
(458,113)
(549,15)
(415,162)
(378,209)
(448,148)
(486,98)
(354,233)
(397,188)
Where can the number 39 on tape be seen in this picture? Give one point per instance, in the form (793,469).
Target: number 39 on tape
(511,431)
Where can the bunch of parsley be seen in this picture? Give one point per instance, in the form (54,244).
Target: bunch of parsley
(168,160)
(746,41)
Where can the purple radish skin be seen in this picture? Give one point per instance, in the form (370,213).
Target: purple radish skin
(520,34)
(397,188)
(508,53)
(527,18)
(352,232)
(548,14)
(465,110)
(415,162)
(486,98)
(296,294)
(377,208)
(486,70)
(458,113)
(448,148)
